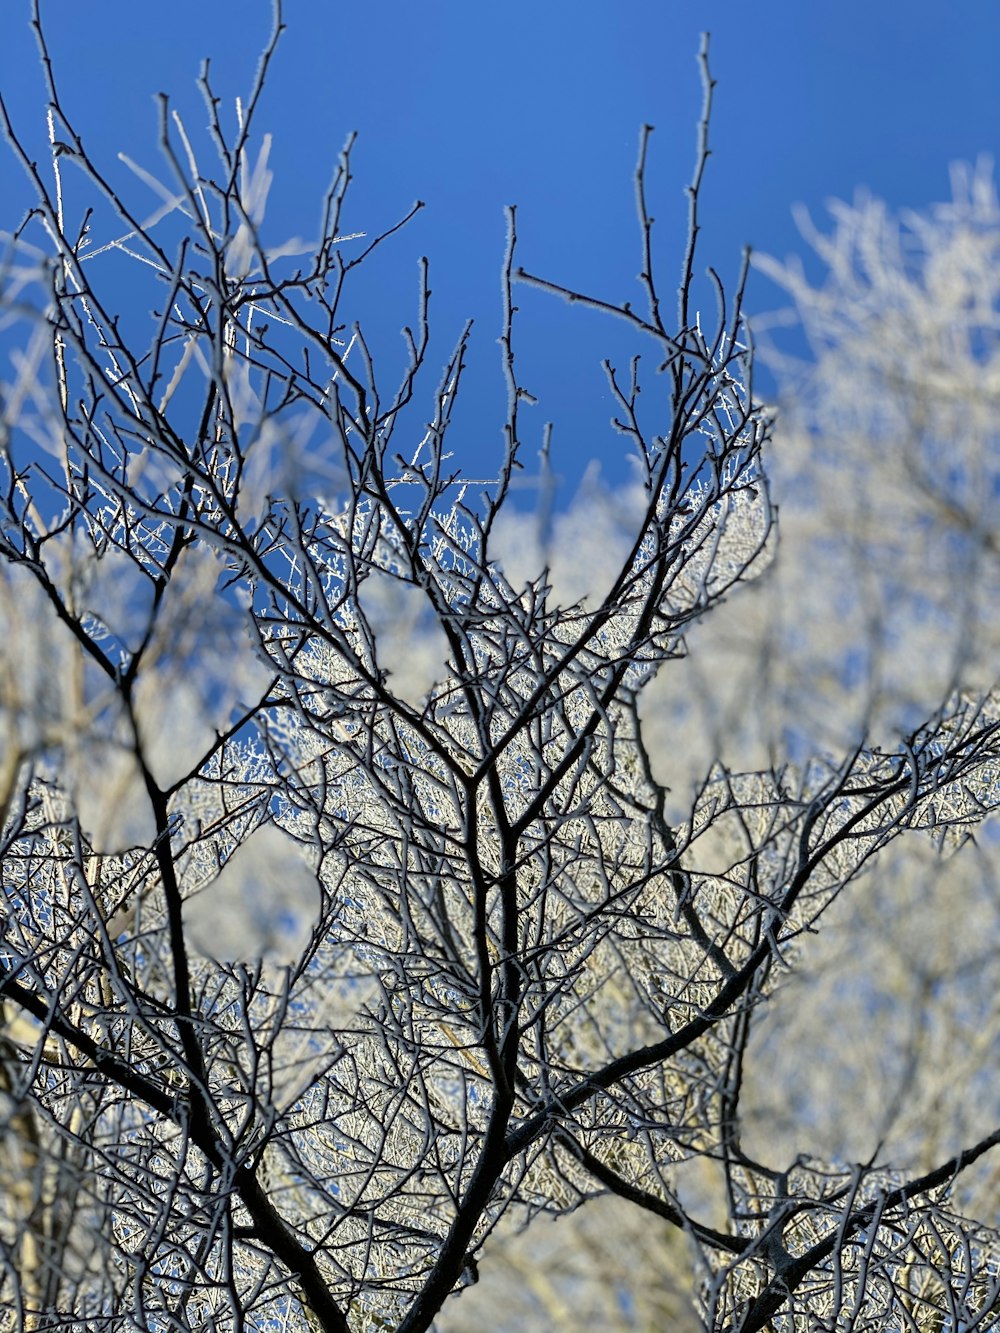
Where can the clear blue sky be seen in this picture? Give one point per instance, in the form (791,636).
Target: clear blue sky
(471,105)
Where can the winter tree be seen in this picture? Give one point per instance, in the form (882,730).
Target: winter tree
(358,913)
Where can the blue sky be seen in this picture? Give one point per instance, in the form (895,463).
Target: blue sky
(471,106)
